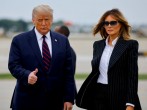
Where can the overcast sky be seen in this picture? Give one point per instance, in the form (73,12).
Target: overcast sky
(76,11)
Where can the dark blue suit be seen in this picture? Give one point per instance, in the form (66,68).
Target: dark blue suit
(52,87)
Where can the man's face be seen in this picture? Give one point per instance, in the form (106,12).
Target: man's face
(43,22)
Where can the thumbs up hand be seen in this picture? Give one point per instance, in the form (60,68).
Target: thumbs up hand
(32,78)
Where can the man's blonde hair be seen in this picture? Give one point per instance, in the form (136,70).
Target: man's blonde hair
(42,8)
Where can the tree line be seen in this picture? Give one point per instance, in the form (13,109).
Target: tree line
(9,25)
(14,25)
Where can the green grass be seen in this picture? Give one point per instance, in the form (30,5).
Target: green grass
(6,76)
(78,76)
(84,76)
(143,76)
(81,76)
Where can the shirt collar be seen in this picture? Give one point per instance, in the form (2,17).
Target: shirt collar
(113,42)
(39,36)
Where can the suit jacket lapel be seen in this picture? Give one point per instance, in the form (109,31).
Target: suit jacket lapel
(98,48)
(35,47)
(118,50)
(55,42)
(101,47)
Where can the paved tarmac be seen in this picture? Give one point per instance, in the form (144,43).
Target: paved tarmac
(83,46)
(7,87)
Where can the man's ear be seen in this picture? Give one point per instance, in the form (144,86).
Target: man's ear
(33,21)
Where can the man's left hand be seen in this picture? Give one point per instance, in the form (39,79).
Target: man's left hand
(130,108)
(68,106)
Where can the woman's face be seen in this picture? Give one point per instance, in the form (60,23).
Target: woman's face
(112,26)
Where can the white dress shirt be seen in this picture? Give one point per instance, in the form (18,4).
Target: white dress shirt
(104,62)
(47,39)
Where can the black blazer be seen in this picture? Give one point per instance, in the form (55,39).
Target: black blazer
(52,87)
(122,76)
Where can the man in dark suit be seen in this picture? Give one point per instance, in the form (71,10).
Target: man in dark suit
(65,31)
(41,62)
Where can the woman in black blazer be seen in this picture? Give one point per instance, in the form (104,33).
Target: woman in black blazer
(113,82)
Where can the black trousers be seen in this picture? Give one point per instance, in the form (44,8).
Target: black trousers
(101,98)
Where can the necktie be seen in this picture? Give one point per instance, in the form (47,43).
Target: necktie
(46,54)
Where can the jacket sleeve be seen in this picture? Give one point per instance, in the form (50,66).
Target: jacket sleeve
(14,63)
(69,76)
(132,72)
